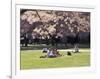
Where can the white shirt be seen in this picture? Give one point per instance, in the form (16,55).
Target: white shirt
(50,53)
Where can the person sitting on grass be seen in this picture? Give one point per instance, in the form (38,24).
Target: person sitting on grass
(56,53)
(69,53)
(76,48)
(50,53)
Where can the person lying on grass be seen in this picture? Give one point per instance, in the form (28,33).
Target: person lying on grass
(45,50)
(52,53)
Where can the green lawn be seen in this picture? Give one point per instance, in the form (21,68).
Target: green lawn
(30,59)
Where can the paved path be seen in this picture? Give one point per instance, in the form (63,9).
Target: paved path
(74,50)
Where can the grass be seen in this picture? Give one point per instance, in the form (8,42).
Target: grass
(30,59)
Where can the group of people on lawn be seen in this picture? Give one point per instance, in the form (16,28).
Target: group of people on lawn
(51,52)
